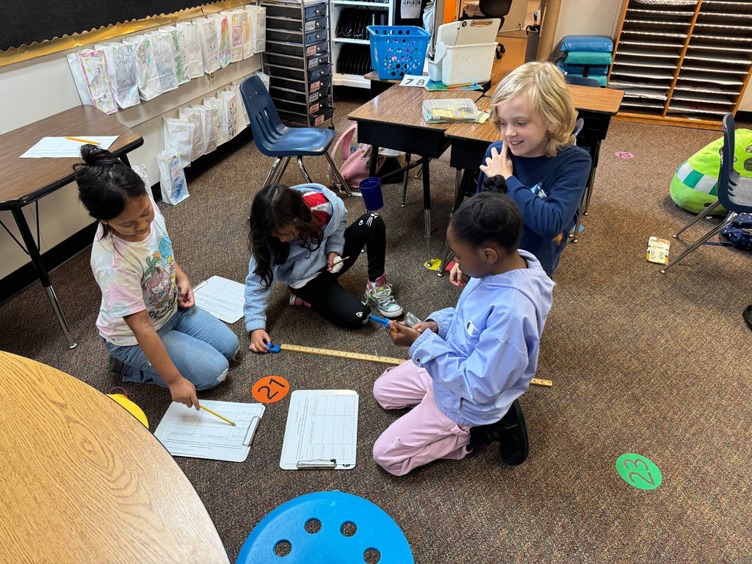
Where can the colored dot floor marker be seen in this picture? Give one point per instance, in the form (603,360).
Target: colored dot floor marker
(638,471)
(624,155)
(270,389)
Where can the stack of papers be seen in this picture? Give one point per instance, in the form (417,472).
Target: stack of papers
(450,110)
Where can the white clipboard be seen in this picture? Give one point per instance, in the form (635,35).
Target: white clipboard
(183,431)
(321,431)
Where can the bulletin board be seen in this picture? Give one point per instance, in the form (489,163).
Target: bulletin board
(29,21)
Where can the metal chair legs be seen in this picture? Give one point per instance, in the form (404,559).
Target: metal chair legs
(343,184)
(303,171)
(702,215)
(727,220)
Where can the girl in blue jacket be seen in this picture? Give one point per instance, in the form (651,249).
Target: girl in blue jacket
(545,173)
(471,362)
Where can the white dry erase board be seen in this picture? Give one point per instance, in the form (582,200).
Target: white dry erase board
(321,431)
(198,434)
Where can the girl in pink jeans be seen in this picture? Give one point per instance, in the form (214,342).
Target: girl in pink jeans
(469,363)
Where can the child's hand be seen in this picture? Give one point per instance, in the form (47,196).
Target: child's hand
(498,163)
(457,277)
(333,259)
(184,391)
(185,292)
(259,338)
(402,335)
(423,325)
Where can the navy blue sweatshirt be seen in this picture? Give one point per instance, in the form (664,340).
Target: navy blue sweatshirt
(548,191)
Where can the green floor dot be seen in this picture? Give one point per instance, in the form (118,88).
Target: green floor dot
(638,471)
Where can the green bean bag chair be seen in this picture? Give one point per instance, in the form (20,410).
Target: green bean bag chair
(695,185)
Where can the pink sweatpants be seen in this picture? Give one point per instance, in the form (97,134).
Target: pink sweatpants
(420,436)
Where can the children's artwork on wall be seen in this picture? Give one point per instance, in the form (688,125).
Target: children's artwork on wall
(178,135)
(122,72)
(164,59)
(94,66)
(225,39)
(172,177)
(228,112)
(208,34)
(78,79)
(179,52)
(149,83)
(192,46)
(245,23)
(140,169)
(236,17)
(257,16)
(209,123)
(219,126)
(193,116)
(242,121)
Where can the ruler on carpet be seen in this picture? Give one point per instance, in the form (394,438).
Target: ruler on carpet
(374,358)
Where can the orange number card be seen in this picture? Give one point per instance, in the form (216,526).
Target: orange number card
(270,389)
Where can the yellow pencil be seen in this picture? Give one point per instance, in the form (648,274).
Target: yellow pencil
(215,414)
(80,140)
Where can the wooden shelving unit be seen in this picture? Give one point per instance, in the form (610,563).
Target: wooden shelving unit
(682,62)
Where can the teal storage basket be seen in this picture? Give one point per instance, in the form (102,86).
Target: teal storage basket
(397,50)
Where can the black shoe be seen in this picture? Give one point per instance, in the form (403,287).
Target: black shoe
(510,431)
(115,365)
(514,447)
(747,315)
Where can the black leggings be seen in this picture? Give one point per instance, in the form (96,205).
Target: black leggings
(325,294)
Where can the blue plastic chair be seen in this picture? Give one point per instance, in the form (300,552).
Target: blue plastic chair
(734,193)
(326,528)
(274,139)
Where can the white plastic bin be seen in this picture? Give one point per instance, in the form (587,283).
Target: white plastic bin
(462,64)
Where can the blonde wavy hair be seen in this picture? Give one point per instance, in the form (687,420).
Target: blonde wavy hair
(544,85)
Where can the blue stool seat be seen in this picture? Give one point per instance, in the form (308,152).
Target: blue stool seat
(275,139)
(326,528)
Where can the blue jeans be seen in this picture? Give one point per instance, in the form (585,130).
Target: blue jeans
(198,343)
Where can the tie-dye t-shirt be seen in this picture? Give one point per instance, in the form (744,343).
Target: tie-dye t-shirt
(134,277)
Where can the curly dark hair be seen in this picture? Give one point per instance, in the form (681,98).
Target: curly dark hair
(273,207)
(489,216)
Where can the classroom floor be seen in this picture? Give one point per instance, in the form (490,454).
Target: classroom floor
(641,363)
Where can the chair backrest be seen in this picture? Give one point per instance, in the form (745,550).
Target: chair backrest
(734,190)
(326,527)
(265,121)
(495,8)
(581,80)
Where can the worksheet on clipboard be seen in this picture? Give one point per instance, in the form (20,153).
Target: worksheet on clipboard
(321,430)
(183,431)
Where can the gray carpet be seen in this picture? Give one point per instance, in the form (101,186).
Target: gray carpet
(641,363)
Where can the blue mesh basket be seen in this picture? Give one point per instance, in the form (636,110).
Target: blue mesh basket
(397,50)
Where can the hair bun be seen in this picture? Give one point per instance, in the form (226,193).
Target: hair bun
(94,155)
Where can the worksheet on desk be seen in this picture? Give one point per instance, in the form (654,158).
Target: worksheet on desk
(198,434)
(66,147)
(321,430)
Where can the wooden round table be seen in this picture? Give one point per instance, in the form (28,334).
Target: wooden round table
(81,480)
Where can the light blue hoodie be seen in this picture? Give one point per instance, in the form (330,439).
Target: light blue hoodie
(301,263)
(486,351)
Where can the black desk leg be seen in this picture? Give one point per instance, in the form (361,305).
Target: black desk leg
(460,181)
(374,158)
(44,277)
(427,206)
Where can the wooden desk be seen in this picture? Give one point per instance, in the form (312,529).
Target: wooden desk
(83,481)
(25,181)
(394,119)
